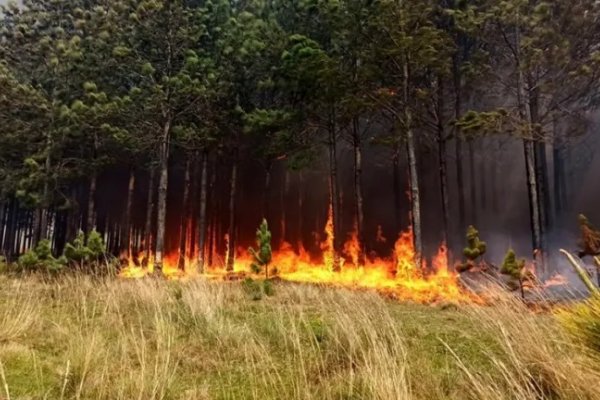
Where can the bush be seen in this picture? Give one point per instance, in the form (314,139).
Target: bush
(257,290)
(252,289)
(85,252)
(474,251)
(41,258)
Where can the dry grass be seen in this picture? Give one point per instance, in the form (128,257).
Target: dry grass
(81,338)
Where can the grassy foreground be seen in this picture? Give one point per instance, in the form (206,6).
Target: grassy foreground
(82,338)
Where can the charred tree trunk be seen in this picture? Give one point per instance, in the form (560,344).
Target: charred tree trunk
(162,196)
(358,190)
(213,214)
(201,229)
(183,231)
(300,233)
(415,194)
(232,214)
(149,213)
(334,192)
(126,249)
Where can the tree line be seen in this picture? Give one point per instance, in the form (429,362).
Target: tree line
(90,86)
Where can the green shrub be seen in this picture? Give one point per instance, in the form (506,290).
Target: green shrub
(474,250)
(252,289)
(85,252)
(269,288)
(41,258)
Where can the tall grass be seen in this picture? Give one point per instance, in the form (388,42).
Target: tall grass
(87,338)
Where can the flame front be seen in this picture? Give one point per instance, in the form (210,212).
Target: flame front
(398,276)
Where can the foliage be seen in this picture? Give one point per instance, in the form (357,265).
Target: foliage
(84,251)
(515,270)
(41,259)
(263,254)
(589,242)
(475,249)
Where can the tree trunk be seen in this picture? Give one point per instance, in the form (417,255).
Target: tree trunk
(397,189)
(526,117)
(162,197)
(415,194)
(267,190)
(213,214)
(232,214)
(284,193)
(483,176)
(3,212)
(334,193)
(460,184)
(201,229)
(148,222)
(300,234)
(559,176)
(91,210)
(183,232)
(530,166)
(358,191)
(126,249)
(441,138)
(472,183)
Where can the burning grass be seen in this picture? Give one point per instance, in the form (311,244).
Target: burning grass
(78,337)
(398,276)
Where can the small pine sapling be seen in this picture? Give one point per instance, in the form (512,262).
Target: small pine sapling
(41,258)
(85,252)
(474,251)
(515,270)
(589,242)
(262,256)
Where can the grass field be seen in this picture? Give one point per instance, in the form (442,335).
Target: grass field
(77,337)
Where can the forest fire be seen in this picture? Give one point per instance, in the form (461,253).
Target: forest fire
(397,276)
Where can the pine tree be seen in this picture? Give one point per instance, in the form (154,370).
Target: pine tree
(515,270)
(263,253)
(474,251)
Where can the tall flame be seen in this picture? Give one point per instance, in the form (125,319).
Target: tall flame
(398,277)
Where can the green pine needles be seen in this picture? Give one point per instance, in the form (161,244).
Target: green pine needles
(515,270)
(263,254)
(474,251)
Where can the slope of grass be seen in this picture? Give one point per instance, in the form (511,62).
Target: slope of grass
(82,338)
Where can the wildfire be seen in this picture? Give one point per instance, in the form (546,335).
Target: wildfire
(399,276)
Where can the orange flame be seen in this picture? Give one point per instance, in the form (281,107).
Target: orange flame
(397,277)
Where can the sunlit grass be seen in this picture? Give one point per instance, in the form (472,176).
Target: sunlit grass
(77,337)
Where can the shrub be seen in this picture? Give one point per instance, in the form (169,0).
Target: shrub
(252,289)
(475,249)
(85,252)
(41,258)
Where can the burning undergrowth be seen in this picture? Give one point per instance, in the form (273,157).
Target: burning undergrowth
(399,276)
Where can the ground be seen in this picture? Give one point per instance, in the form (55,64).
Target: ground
(77,337)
